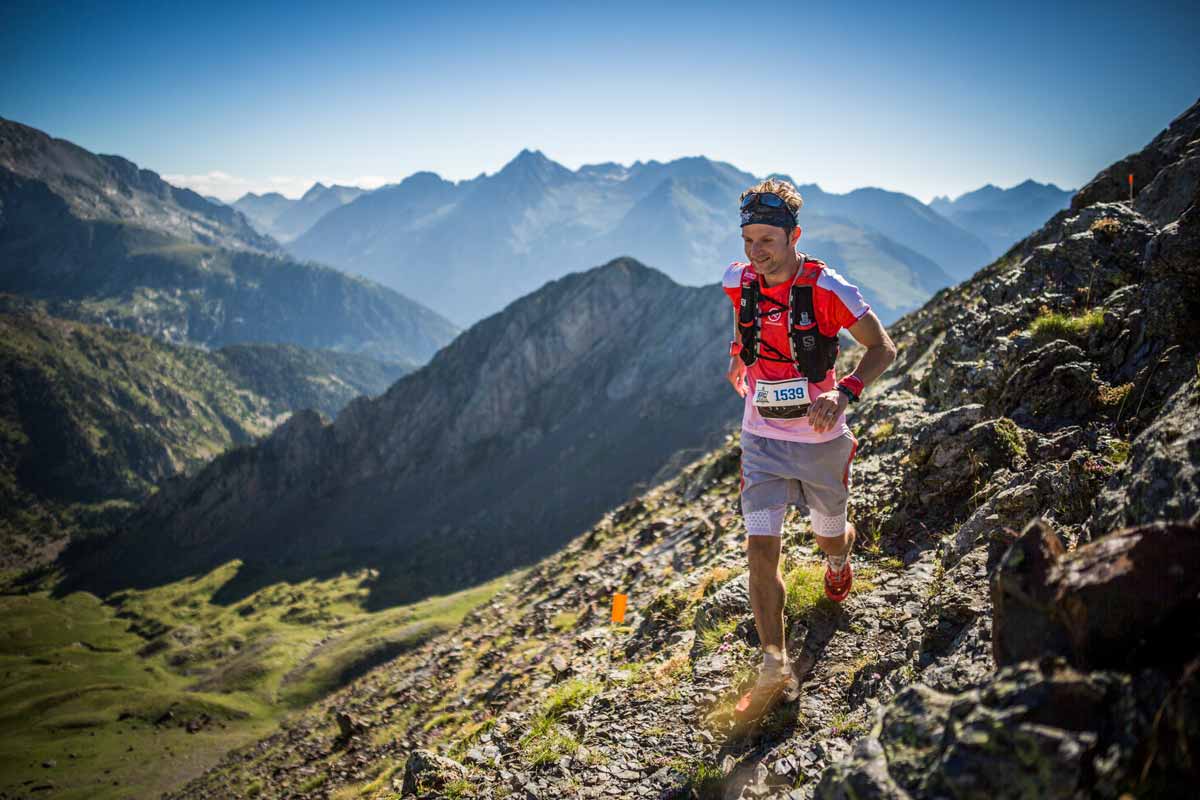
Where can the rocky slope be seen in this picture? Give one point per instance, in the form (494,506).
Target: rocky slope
(93,418)
(535,220)
(521,432)
(1061,384)
(105,242)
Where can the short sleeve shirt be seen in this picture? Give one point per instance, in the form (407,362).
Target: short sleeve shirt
(837,303)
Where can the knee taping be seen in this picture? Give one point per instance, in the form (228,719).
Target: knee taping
(765,522)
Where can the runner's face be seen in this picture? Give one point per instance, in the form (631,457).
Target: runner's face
(768,248)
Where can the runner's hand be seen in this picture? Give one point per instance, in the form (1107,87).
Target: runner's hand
(737,375)
(825,410)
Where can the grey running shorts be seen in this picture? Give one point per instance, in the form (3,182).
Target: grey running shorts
(776,471)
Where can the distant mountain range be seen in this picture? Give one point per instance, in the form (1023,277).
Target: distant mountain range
(514,438)
(101,240)
(285,219)
(1001,217)
(466,248)
(92,417)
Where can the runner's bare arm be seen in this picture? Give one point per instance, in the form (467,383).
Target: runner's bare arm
(881,352)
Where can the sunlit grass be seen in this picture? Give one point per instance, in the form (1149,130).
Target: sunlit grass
(1056,325)
(546,740)
(98,678)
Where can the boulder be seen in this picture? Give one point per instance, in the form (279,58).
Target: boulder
(1161,479)
(1111,184)
(426,771)
(1172,252)
(959,461)
(1052,384)
(1173,756)
(731,601)
(1037,729)
(1129,599)
(1023,615)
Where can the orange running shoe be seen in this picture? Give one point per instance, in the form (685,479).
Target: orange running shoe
(772,687)
(837,585)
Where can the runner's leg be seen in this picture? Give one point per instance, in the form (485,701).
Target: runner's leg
(765,498)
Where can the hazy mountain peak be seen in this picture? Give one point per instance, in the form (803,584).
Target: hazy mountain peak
(534,163)
(314,192)
(251,196)
(422,178)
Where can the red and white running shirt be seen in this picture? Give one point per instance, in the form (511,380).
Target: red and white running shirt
(837,303)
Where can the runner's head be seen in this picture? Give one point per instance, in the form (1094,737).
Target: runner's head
(769,229)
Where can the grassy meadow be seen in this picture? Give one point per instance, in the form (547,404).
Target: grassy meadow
(136,693)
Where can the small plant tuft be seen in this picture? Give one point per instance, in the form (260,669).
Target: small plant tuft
(882,431)
(1051,325)
(1113,396)
(1106,227)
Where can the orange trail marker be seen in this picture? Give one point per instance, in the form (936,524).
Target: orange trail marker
(1131,187)
(618,607)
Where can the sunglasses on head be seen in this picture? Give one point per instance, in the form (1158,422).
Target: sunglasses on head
(769,199)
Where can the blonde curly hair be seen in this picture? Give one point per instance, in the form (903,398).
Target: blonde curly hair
(780,187)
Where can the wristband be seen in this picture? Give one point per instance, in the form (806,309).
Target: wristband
(853,386)
(848,393)
(735,347)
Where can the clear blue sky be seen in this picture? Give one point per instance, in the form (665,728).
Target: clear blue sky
(928,98)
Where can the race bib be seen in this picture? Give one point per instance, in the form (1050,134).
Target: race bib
(782,399)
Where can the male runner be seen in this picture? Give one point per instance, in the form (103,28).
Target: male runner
(794,433)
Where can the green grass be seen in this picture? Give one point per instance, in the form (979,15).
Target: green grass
(469,735)
(843,726)
(1118,451)
(805,590)
(712,636)
(91,678)
(546,740)
(704,780)
(564,620)
(315,782)
(1051,325)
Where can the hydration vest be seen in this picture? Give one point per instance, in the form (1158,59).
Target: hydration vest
(811,352)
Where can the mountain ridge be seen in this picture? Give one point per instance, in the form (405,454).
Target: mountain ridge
(534,220)
(105,241)
(95,417)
